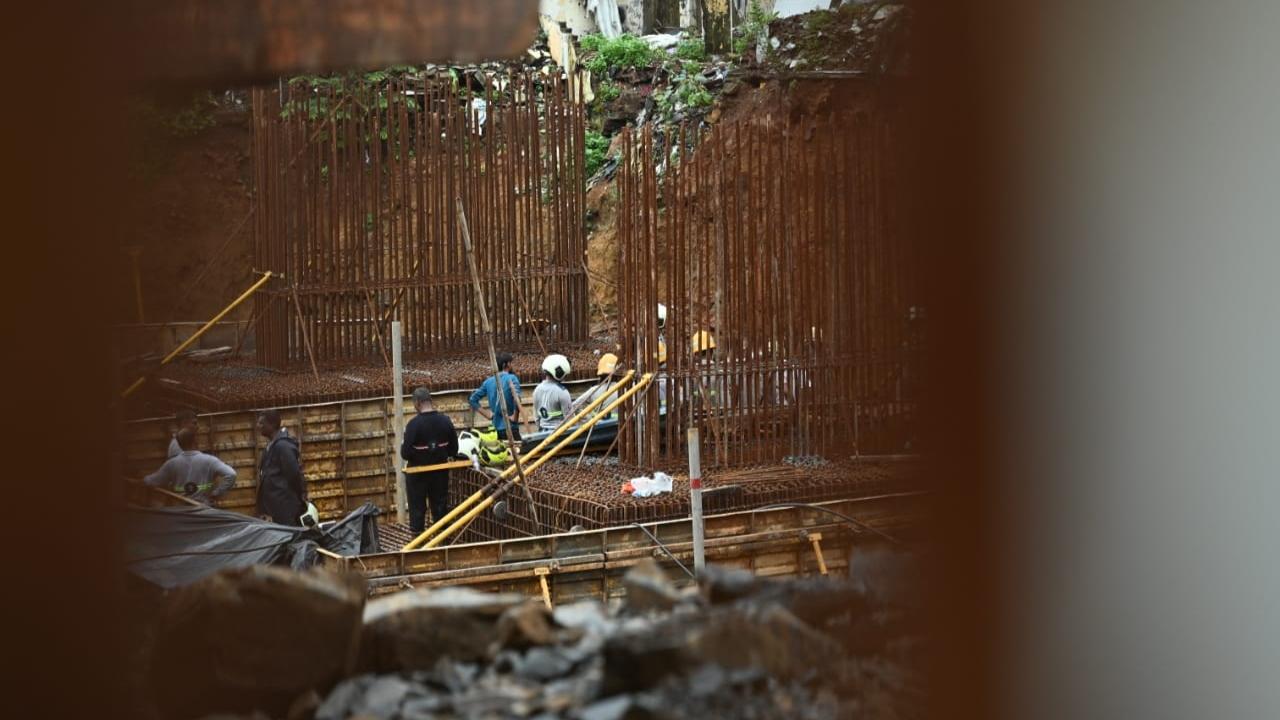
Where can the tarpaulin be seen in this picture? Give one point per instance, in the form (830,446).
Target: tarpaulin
(174,546)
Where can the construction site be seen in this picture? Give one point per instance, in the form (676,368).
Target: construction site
(690,218)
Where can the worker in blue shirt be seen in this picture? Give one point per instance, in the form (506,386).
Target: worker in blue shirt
(489,390)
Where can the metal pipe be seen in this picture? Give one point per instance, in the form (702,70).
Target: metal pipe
(397,405)
(203,329)
(695,500)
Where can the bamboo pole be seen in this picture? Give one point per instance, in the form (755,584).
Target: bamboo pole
(475,497)
(465,520)
(203,329)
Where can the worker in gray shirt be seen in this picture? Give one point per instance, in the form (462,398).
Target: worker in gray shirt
(551,399)
(192,473)
(186,419)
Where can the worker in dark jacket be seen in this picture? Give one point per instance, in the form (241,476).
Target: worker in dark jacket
(281,490)
(429,439)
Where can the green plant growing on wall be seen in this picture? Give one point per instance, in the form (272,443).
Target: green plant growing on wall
(596,149)
(624,51)
(608,91)
(758,20)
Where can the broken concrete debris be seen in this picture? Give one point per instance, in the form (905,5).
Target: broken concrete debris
(265,642)
(253,638)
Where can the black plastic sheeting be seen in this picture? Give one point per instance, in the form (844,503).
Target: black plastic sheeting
(176,546)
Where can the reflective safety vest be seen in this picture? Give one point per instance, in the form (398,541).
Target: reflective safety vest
(492,450)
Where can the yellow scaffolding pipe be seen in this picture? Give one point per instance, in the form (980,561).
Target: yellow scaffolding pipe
(475,496)
(203,329)
(479,508)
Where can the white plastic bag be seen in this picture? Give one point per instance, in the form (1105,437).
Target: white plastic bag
(650,486)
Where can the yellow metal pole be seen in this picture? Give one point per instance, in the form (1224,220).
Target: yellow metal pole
(475,496)
(440,466)
(466,519)
(203,329)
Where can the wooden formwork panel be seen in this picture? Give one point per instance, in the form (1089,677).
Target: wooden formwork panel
(590,564)
(349,455)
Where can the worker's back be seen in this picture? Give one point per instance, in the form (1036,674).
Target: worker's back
(197,475)
(551,404)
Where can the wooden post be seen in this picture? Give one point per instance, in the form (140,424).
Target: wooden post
(488,334)
(306,337)
(397,420)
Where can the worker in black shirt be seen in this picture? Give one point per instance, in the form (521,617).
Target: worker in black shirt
(282,491)
(429,439)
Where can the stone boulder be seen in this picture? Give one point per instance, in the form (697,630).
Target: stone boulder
(254,639)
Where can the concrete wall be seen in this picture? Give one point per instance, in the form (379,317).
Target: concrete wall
(572,13)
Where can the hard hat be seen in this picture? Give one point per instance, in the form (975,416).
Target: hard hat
(468,445)
(703,340)
(557,366)
(608,363)
(662,316)
(662,352)
(311,517)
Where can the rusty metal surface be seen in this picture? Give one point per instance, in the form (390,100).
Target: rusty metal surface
(590,496)
(781,236)
(355,180)
(249,40)
(237,385)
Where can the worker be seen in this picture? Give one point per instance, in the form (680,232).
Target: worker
(551,400)
(703,345)
(605,370)
(429,439)
(489,390)
(282,492)
(199,476)
(185,419)
(662,377)
(662,322)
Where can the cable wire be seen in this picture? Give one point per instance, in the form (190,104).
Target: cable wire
(852,521)
(665,550)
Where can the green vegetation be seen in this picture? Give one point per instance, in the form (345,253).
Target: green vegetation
(608,91)
(685,91)
(625,51)
(818,20)
(597,147)
(692,49)
(757,22)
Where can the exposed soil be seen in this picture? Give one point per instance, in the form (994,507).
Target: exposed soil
(189,194)
(870,37)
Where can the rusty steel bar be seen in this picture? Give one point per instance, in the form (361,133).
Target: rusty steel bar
(778,236)
(350,174)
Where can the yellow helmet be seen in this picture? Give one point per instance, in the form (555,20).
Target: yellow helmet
(662,352)
(608,363)
(703,340)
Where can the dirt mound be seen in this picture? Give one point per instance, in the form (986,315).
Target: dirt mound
(872,38)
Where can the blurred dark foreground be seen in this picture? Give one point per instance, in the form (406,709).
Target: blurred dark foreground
(267,642)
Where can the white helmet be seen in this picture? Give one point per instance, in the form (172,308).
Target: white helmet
(311,517)
(557,366)
(468,445)
(662,316)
